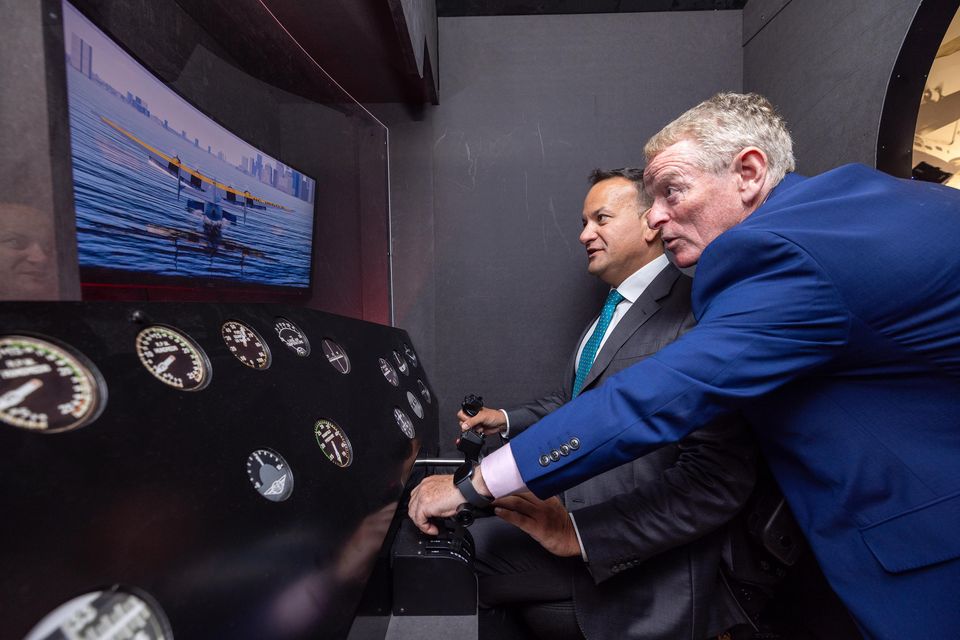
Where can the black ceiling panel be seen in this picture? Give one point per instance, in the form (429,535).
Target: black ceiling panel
(450,8)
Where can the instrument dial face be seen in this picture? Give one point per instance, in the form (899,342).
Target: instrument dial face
(401,364)
(291,335)
(116,613)
(46,387)
(246,344)
(389,372)
(336,356)
(404,422)
(415,405)
(173,358)
(333,442)
(424,391)
(411,355)
(270,475)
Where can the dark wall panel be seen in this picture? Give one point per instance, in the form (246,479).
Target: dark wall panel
(826,64)
(531,104)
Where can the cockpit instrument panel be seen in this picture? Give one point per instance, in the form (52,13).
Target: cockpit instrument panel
(246,344)
(335,354)
(291,335)
(47,387)
(404,422)
(333,442)
(389,372)
(116,613)
(270,475)
(173,358)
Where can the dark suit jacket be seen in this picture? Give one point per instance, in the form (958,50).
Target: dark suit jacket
(830,318)
(653,528)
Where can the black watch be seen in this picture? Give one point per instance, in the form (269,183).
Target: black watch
(463,479)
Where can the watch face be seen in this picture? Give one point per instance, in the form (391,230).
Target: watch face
(415,405)
(246,344)
(411,355)
(333,442)
(117,613)
(291,336)
(424,391)
(401,364)
(47,387)
(336,356)
(462,472)
(270,475)
(173,358)
(404,422)
(389,372)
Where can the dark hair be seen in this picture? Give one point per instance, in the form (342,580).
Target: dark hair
(632,174)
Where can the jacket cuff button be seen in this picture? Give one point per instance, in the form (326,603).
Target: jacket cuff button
(544,461)
(574,443)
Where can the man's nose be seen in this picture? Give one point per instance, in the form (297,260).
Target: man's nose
(656,217)
(36,253)
(587,234)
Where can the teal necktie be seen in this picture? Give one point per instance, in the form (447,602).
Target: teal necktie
(593,344)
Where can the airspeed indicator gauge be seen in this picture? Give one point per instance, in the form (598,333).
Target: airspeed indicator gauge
(291,335)
(404,422)
(270,475)
(47,387)
(333,442)
(389,372)
(173,358)
(246,344)
(401,364)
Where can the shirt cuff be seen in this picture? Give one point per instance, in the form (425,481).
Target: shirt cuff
(583,549)
(505,432)
(500,473)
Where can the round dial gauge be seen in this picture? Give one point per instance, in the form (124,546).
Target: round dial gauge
(415,405)
(389,372)
(291,335)
(424,391)
(270,475)
(46,387)
(401,364)
(333,442)
(246,344)
(336,356)
(173,358)
(411,355)
(404,422)
(105,614)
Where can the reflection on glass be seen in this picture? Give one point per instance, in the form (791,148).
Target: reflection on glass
(936,144)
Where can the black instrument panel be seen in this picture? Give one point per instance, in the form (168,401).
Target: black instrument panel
(163,492)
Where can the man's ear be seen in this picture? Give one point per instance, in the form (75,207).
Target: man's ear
(750,166)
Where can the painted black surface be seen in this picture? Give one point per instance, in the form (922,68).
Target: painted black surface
(154,493)
(538,7)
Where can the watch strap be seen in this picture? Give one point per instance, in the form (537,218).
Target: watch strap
(469,492)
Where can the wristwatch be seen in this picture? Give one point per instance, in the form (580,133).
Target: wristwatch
(463,479)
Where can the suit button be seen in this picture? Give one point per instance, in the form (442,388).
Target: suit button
(544,461)
(574,443)
(554,455)
(564,450)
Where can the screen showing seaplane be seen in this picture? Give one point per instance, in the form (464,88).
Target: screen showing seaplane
(162,190)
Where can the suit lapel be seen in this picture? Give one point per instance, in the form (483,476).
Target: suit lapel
(641,311)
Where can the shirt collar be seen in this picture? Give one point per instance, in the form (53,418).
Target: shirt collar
(639,280)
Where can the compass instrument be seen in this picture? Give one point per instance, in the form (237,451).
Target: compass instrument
(47,387)
(173,358)
(401,364)
(333,442)
(411,355)
(389,372)
(336,356)
(415,405)
(404,422)
(291,335)
(105,614)
(270,475)
(246,344)
(424,391)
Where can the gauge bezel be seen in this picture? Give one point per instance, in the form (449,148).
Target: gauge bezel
(346,356)
(256,334)
(415,405)
(204,358)
(288,488)
(98,384)
(343,435)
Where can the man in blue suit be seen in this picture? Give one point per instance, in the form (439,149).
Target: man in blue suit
(829,315)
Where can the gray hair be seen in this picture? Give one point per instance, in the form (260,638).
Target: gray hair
(726,124)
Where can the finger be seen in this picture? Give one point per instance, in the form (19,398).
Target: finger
(461,416)
(515,518)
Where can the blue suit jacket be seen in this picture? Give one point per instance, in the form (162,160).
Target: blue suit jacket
(831,318)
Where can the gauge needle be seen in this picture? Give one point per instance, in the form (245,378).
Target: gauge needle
(15,396)
(163,366)
(257,458)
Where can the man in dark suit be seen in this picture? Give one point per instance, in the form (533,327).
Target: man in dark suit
(638,554)
(828,314)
